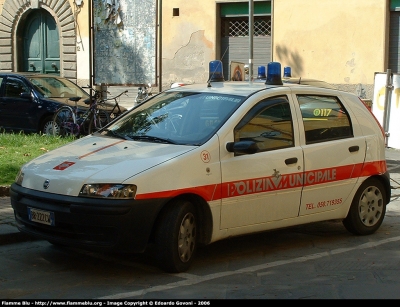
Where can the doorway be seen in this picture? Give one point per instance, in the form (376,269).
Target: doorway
(40,50)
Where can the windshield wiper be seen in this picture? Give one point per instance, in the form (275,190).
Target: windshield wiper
(117,135)
(150,138)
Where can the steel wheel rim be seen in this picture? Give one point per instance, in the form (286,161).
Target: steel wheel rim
(187,237)
(370,206)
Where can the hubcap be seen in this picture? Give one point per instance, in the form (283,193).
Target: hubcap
(370,206)
(187,237)
(48,128)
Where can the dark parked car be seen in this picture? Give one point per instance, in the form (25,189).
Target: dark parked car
(28,101)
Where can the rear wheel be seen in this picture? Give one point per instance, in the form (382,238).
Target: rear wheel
(99,121)
(367,209)
(176,237)
(64,123)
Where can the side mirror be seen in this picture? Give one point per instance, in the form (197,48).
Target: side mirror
(242,147)
(26,95)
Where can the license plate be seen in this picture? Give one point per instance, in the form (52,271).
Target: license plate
(41,216)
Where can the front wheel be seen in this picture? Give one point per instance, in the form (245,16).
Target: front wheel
(98,120)
(367,209)
(176,237)
(47,126)
(64,123)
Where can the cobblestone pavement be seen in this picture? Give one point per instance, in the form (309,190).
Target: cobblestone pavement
(9,232)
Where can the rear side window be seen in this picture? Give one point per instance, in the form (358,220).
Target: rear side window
(324,118)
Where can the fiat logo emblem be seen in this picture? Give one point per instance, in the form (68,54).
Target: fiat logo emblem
(46,183)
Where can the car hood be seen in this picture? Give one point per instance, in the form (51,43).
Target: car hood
(95,159)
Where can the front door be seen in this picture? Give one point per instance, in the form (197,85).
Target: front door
(41,44)
(16,111)
(265,186)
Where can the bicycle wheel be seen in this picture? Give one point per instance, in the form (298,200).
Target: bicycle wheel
(64,123)
(98,120)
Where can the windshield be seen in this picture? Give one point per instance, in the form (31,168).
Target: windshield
(54,87)
(186,118)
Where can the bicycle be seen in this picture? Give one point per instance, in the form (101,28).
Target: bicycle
(116,110)
(72,121)
(143,93)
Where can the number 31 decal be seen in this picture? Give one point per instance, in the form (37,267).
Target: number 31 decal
(205,156)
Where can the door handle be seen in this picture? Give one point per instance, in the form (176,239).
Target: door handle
(291,161)
(354,148)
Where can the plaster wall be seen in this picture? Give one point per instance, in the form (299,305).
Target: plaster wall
(188,40)
(82,29)
(341,42)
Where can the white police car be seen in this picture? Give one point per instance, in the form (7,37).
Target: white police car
(199,163)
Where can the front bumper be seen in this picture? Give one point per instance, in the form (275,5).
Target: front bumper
(102,224)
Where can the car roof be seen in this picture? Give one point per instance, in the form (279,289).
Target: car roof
(306,81)
(30,74)
(246,88)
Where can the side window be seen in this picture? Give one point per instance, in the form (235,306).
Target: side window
(324,118)
(14,88)
(269,124)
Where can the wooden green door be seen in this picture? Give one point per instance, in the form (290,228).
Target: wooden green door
(41,50)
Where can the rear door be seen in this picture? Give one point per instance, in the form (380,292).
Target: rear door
(333,149)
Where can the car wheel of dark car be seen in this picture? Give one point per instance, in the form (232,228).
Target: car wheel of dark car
(47,127)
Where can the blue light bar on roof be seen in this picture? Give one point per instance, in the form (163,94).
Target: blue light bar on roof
(261,73)
(215,71)
(287,72)
(274,74)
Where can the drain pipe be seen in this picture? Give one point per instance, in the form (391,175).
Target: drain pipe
(251,33)
(386,113)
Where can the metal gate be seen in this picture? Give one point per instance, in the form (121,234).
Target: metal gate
(235,42)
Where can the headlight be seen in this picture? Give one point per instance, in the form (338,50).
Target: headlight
(108,190)
(19,177)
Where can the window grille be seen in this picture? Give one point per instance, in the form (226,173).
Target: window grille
(239,26)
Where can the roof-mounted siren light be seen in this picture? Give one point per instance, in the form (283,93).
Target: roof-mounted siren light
(287,72)
(274,74)
(261,73)
(215,71)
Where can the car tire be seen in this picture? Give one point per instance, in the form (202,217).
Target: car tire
(368,208)
(47,126)
(176,237)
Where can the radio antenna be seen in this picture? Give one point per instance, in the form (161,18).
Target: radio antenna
(213,71)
